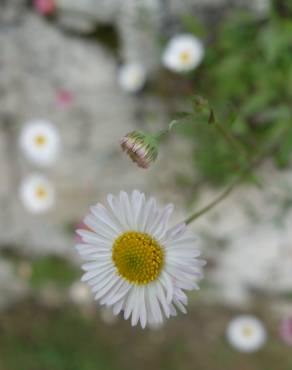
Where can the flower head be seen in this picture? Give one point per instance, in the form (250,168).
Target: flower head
(183,53)
(132,77)
(136,264)
(40,142)
(44,7)
(286,330)
(37,193)
(142,148)
(246,333)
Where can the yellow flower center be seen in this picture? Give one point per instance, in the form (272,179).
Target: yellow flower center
(40,192)
(39,139)
(247,331)
(137,257)
(184,56)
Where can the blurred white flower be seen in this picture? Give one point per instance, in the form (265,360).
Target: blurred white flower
(135,262)
(183,53)
(40,142)
(246,333)
(80,293)
(37,193)
(107,316)
(132,77)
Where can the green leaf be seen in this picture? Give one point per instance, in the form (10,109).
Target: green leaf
(192,25)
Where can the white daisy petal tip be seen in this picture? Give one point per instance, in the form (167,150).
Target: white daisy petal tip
(136,263)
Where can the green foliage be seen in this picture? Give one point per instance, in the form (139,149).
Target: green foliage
(246,74)
(44,340)
(52,269)
(33,338)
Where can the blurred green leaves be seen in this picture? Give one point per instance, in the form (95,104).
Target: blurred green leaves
(247,70)
(52,269)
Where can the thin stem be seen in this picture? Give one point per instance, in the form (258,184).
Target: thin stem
(163,133)
(230,138)
(225,193)
(212,204)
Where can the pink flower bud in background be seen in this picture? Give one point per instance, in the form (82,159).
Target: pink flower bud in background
(64,97)
(44,7)
(285,330)
(142,148)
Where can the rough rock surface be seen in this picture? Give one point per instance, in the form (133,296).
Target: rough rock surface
(37,58)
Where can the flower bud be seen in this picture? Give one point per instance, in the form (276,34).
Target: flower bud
(142,148)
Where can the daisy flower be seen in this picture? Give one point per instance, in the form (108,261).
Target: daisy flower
(141,148)
(246,333)
(132,77)
(40,142)
(286,330)
(136,264)
(37,193)
(183,53)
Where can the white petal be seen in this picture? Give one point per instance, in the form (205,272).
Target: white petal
(114,204)
(162,299)
(106,218)
(154,307)
(130,303)
(90,237)
(168,285)
(101,229)
(180,306)
(159,230)
(93,273)
(120,294)
(118,307)
(137,199)
(106,300)
(174,233)
(143,311)
(147,214)
(126,207)
(136,309)
(108,284)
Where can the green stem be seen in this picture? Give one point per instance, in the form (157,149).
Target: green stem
(212,204)
(163,133)
(226,192)
(230,138)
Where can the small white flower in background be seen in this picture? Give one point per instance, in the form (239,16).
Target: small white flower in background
(132,77)
(40,142)
(37,193)
(135,263)
(246,333)
(107,316)
(183,53)
(80,293)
